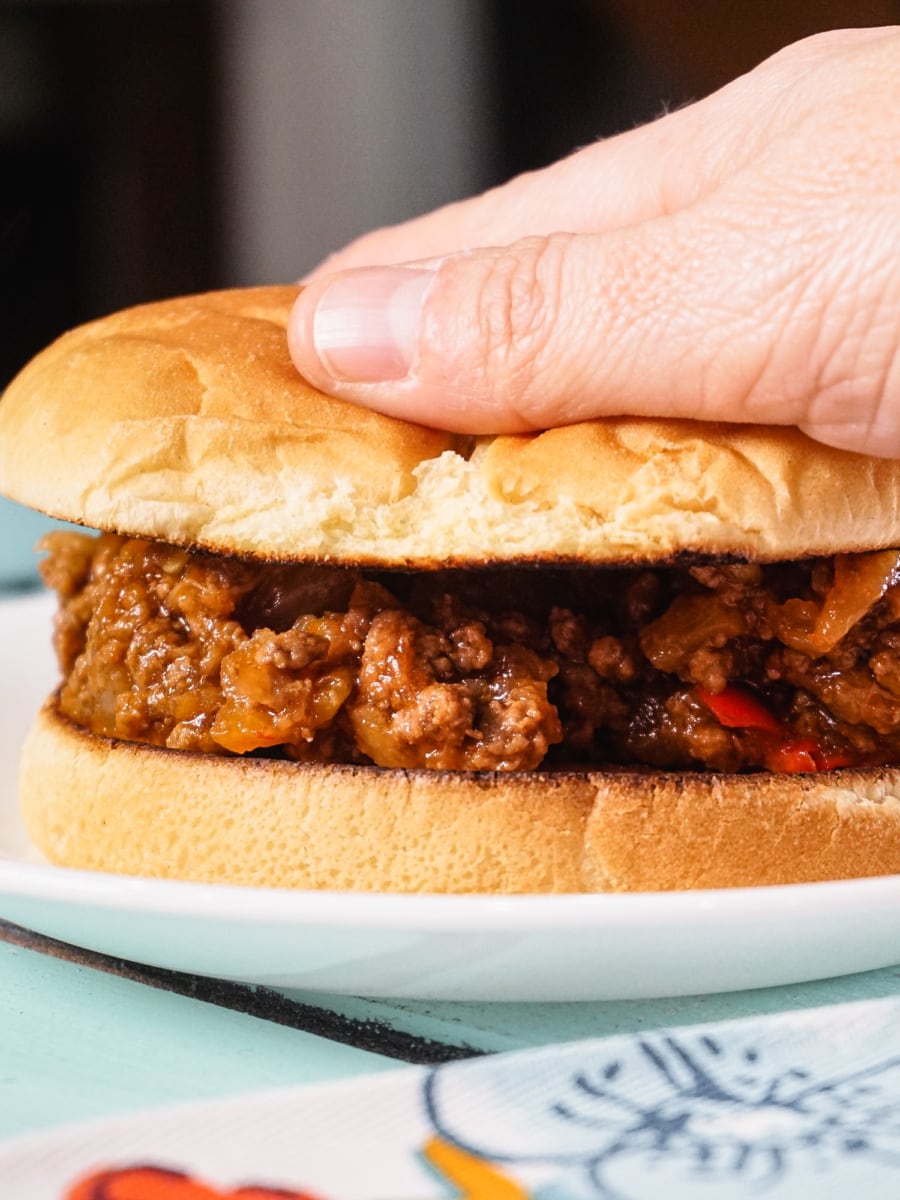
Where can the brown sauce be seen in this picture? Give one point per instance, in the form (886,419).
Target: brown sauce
(790,667)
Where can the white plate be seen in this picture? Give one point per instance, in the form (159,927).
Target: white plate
(466,948)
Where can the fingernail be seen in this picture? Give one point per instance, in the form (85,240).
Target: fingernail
(366,324)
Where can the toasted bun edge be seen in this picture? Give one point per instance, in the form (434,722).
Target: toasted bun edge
(96,804)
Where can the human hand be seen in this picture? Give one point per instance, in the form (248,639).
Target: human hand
(736,260)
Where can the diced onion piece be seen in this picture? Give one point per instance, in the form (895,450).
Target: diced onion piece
(689,624)
(860,580)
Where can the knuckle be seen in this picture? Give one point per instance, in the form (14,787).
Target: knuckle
(519,300)
(518,305)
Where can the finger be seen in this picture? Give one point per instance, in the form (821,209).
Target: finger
(644,173)
(693,315)
(620,181)
(635,176)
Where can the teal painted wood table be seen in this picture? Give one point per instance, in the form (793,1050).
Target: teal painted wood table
(83,1035)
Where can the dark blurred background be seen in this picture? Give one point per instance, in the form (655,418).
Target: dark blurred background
(152,147)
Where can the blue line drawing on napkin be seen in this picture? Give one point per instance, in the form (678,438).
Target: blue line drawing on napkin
(746,1108)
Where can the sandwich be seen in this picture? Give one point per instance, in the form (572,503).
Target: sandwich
(312,646)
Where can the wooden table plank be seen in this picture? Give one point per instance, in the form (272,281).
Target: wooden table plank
(365,1032)
(498,1027)
(76,1042)
(431,1031)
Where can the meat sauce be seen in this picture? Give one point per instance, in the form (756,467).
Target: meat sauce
(725,667)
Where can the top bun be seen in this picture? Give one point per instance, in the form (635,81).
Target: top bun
(185,421)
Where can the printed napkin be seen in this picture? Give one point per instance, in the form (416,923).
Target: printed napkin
(771,1107)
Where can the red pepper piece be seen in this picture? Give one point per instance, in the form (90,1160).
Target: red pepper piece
(792,758)
(737,708)
(797,755)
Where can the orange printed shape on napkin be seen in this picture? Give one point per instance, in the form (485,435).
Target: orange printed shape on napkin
(159,1183)
(472,1177)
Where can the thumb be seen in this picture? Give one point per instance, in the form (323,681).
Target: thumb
(682,316)
(494,340)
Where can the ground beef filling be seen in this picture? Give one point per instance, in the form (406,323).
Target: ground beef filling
(786,667)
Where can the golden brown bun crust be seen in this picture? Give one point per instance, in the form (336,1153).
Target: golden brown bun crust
(113,806)
(185,421)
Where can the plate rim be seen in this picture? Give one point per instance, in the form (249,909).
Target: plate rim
(235,904)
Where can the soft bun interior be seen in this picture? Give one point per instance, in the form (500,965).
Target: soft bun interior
(185,421)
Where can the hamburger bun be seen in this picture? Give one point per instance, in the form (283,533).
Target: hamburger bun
(106,805)
(185,421)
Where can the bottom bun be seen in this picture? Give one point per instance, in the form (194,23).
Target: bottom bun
(105,805)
